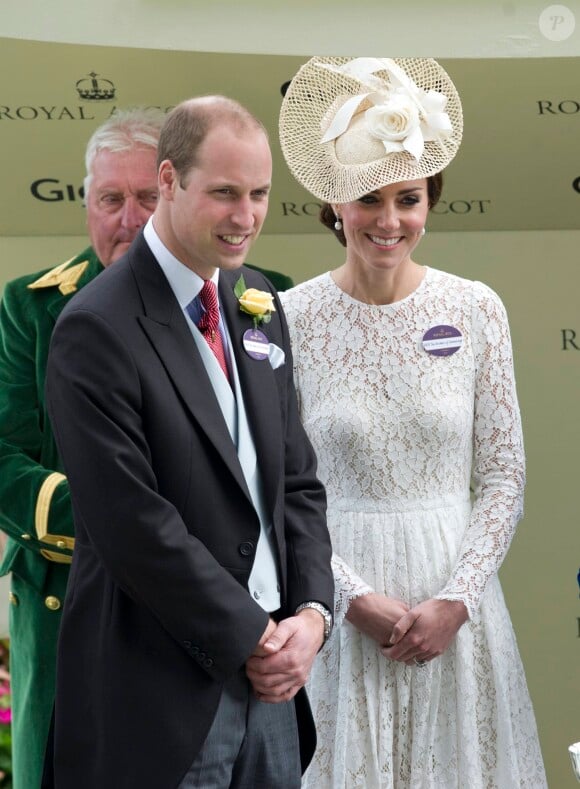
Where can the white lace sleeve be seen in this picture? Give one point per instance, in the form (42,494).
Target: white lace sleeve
(498,473)
(347,587)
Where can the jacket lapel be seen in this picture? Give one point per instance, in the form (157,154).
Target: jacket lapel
(261,395)
(168,332)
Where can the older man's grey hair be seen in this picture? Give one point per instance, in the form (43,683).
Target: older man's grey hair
(123,131)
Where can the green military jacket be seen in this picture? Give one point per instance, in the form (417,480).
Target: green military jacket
(35,509)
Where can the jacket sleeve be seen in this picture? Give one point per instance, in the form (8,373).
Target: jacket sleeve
(34,497)
(309,550)
(347,584)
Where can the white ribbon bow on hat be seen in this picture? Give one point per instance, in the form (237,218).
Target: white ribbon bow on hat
(403,116)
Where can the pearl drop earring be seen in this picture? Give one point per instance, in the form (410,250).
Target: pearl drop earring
(338,223)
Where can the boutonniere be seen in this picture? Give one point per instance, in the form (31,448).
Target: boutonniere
(257,303)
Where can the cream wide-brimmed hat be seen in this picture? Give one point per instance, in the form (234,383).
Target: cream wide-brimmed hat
(349,126)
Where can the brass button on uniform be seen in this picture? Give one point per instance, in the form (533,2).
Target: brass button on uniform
(26,537)
(52,602)
(14,599)
(60,544)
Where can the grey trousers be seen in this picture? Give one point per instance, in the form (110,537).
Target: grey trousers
(251,745)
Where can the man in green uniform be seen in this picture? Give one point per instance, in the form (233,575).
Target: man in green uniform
(35,510)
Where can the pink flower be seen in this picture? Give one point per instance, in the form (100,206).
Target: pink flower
(5,715)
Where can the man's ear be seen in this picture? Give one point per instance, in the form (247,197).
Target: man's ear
(168,179)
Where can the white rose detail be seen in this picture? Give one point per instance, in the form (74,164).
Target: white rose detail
(397,123)
(402,116)
(394,119)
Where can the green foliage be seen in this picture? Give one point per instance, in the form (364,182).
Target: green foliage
(5,717)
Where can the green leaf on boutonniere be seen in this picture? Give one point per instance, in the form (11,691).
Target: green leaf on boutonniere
(240,287)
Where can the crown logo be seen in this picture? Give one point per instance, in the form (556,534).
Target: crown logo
(94,89)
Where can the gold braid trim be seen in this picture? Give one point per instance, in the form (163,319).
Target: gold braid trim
(45,495)
(65,278)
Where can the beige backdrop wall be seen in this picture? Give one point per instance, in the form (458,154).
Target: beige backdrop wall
(538,277)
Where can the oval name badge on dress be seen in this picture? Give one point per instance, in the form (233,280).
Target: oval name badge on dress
(256,344)
(442,340)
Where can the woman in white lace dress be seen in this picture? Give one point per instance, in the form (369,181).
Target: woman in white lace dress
(406,388)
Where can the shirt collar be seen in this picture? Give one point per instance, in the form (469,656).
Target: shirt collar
(184,282)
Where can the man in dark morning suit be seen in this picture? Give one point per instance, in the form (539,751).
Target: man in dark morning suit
(201,587)
(35,509)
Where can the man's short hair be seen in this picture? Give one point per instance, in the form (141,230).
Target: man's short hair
(124,130)
(187,125)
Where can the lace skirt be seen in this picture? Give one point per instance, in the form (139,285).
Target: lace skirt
(462,720)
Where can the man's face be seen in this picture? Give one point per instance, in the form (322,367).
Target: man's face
(210,217)
(122,196)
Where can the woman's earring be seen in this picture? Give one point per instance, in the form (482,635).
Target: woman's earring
(423,231)
(338,223)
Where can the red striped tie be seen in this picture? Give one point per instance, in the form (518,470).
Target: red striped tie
(209,323)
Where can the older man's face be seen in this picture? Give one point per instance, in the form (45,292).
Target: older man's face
(122,196)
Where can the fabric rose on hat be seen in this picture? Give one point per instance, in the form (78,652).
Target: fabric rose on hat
(393,121)
(403,116)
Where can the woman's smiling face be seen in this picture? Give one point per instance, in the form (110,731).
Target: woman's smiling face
(383,227)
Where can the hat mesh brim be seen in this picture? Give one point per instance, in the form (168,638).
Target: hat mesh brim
(315,165)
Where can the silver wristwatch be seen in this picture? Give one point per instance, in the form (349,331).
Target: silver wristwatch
(322,609)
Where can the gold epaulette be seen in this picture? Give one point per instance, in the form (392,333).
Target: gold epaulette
(66,279)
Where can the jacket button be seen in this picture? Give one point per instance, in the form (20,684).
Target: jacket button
(53,603)
(60,544)
(187,644)
(246,548)
(14,599)
(26,537)
(208,663)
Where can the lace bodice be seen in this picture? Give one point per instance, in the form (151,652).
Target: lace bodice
(395,427)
